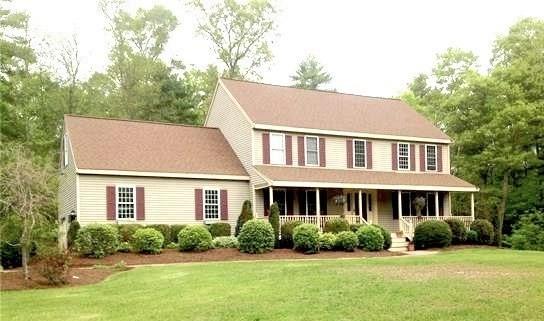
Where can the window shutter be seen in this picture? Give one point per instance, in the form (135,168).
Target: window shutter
(322,152)
(301,151)
(110,202)
(439,158)
(395,204)
(349,152)
(412,157)
(224,205)
(422,158)
(140,204)
(199,214)
(288,150)
(266,148)
(394,159)
(368,154)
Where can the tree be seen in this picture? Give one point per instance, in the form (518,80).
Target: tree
(240,34)
(274,220)
(201,84)
(310,74)
(245,215)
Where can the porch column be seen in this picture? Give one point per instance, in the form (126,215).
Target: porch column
(318,208)
(270,197)
(436,207)
(399,197)
(472,205)
(360,205)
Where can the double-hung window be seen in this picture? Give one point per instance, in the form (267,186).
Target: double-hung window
(430,157)
(277,148)
(211,204)
(126,202)
(312,150)
(359,153)
(404,156)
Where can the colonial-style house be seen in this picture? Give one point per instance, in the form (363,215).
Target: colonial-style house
(317,154)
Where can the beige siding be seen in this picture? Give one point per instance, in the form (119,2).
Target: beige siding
(385,212)
(167,200)
(381,155)
(446,159)
(67,194)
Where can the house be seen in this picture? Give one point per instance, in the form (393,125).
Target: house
(317,154)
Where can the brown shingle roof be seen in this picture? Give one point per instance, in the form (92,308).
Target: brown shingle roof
(114,144)
(286,106)
(343,176)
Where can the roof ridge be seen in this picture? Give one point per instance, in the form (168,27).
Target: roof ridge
(314,90)
(139,121)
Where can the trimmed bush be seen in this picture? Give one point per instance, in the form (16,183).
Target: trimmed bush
(355,227)
(458,230)
(431,234)
(387,240)
(124,247)
(126,231)
(225,242)
(174,232)
(245,215)
(147,240)
(219,229)
(195,238)
(485,231)
(370,238)
(347,241)
(327,241)
(472,237)
(274,220)
(72,233)
(336,225)
(97,240)
(287,233)
(256,236)
(165,230)
(306,238)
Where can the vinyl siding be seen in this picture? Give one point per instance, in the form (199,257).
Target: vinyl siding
(67,194)
(385,213)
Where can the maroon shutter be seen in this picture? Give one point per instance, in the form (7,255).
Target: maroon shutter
(349,152)
(224,205)
(199,215)
(322,152)
(439,158)
(288,150)
(266,148)
(412,157)
(301,153)
(422,158)
(368,154)
(140,204)
(394,159)
(110,202)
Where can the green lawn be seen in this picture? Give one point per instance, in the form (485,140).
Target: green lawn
(475,284)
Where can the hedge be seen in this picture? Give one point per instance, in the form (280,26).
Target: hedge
(387,240)
(256,236)
(306,238)
(347,241)
(287,233)
(458,230)
(370,238)
(194,238)
(431,234)
(97,240)
(219,229)
(147,240)
(336,225)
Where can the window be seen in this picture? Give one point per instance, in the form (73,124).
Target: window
(359,153)
(65,150)
(404,156)
(430,157)
(277,148)
(126,203)
(211,204)
(312,150)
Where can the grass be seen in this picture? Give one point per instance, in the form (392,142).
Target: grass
(473,284)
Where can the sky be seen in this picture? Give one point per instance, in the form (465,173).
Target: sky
(369,47)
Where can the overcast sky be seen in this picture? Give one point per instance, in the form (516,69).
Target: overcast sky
(369,47)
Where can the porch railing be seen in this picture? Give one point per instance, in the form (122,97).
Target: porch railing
(409,223)
(312,219)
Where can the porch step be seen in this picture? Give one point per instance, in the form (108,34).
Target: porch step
(398,244)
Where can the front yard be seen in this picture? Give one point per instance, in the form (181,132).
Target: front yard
(470,284)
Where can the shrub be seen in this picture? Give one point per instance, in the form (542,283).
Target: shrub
(287,233)
(327,241)
(355,227)
(126,231)
(529,233)
(336,225)
(245,215)
(195,238)
(347,241)
(430,234)
(225,242)
(256,236)
(147,240)
(485,231)
(165,230)
(472,237)
(219,229)
(97,240)
(306,238)
(174,232)
(370,238)
(72,233)
(274,220)
(124,247)
(172,246)
(54,267)
(10,255)
(387,240)
(458,230)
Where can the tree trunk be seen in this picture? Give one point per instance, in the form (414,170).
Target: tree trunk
(502,208)
(25,256)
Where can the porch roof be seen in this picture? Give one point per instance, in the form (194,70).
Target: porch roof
(367,179)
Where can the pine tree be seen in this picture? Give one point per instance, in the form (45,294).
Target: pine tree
(245,215)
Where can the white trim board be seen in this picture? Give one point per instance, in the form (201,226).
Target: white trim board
(161,174)
(374,186)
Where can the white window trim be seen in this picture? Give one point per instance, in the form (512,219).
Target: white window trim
(117,186)
(65,150)
(270,148)
(353,147)
(398,157)
(306,150)
(284,199)
(435,160)
(204,204)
